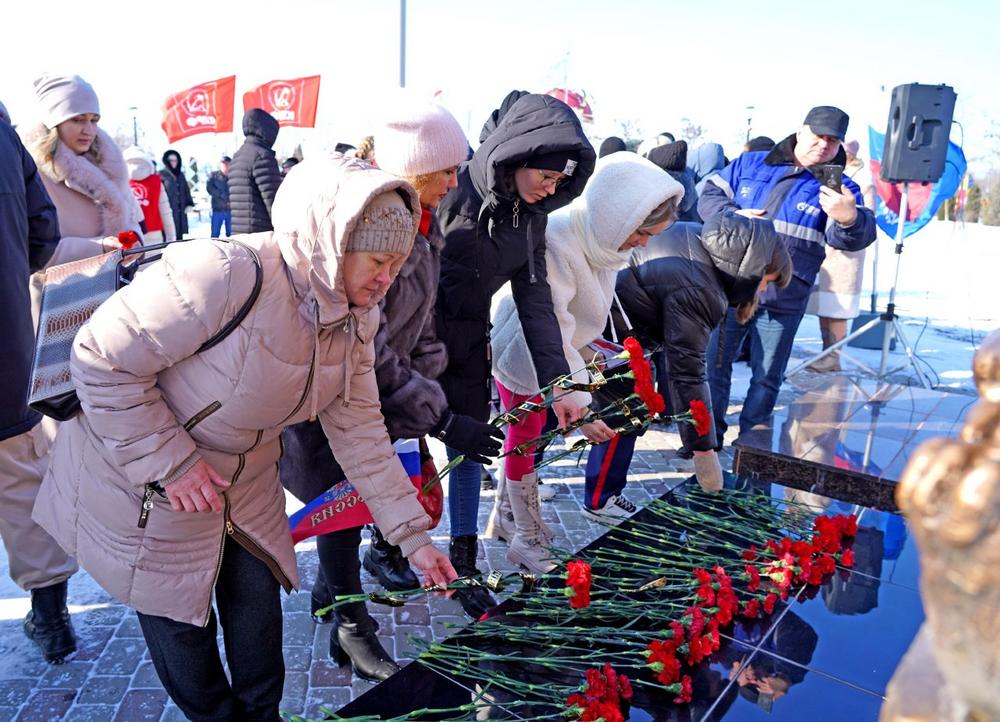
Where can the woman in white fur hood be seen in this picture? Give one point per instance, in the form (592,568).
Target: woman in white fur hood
(627,200)
(82,169)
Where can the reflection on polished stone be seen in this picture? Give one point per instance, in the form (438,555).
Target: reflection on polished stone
(826,656)
(848,438)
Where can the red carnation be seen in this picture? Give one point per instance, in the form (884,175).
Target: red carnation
(751,609)
(754,575)
(769,601)
(127,239)
(847,558)
(702,419)
(643,377)
(624,687)
(685,691)
(578,581)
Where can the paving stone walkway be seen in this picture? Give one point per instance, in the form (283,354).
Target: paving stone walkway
(111,677)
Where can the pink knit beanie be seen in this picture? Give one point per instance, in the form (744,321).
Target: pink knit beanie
(425,139)
(61,97)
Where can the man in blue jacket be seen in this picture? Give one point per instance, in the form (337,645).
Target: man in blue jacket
(29,233)
(782,185)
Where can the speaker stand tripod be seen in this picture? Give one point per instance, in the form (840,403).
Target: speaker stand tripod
(893,327)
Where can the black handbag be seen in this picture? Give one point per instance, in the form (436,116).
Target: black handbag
(70,295)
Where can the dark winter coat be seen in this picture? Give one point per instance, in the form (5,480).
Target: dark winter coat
(772,181)
(492,237)
(178,192)
(676,290)
(408,356)
(29,233)
(254,176)
(218,188)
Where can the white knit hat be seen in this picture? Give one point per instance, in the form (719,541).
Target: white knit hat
(424,139)
(60,97)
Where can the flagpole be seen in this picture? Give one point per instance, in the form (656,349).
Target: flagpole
(402,43)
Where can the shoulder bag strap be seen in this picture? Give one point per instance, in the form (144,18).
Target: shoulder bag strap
(241,314)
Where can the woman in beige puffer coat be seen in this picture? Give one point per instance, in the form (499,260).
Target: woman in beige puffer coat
(156,412)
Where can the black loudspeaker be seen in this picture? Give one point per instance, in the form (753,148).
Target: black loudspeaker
(916,139)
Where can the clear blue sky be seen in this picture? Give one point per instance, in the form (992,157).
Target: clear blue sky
(653,62)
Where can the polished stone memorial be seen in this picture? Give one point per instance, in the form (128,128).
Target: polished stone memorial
(830,651)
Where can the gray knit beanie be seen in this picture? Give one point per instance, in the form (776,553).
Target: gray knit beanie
(385,226)
(61,97)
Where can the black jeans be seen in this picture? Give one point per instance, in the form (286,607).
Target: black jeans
(186,656)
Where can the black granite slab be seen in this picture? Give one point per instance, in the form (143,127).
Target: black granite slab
(826,655)
(849,439)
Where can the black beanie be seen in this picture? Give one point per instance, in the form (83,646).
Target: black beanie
(562,161)
(761,142)
(672,156)
(611,145)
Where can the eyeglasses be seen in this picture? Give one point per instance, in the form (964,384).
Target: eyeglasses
(554,181)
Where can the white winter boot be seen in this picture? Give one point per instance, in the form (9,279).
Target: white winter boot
(528,547)
(501,522)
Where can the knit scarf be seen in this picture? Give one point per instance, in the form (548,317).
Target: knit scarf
(426,214)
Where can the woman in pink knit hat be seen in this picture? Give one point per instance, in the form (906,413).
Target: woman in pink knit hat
(424,145)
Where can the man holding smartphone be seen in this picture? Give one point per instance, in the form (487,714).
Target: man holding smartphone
(786,186)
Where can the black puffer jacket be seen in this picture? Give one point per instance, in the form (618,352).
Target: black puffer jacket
(29,233)
(218,188)
(178,192)
(253,175)
(675,291)
(492,237)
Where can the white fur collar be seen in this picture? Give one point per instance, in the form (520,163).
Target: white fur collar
(106,184)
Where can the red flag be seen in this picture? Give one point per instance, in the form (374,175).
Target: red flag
(205,108)
(576,100)
(291,102)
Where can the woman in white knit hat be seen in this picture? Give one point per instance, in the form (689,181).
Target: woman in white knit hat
(82,168)
(627,200)
(424,145)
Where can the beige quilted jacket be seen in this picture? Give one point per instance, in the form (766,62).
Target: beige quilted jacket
(152,405)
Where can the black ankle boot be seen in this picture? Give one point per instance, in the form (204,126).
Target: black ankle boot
(48,624)
(476,601)
(353,640)
(386,562)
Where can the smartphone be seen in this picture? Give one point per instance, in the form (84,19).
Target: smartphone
(832,176)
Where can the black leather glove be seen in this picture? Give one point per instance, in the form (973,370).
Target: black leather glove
(478,441)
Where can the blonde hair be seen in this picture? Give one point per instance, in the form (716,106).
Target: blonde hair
(781,264)
(50,143)
(666,211)
(366,148)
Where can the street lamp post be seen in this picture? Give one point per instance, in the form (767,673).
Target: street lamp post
(135,126)
(750,110)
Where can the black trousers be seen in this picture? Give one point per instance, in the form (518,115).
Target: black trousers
(340,570)
(186,656)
